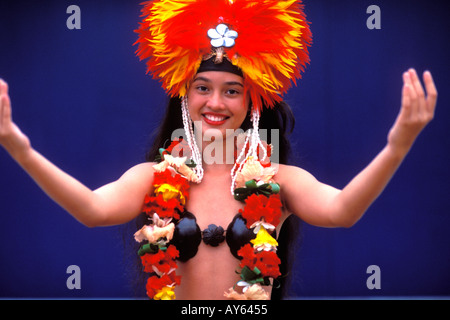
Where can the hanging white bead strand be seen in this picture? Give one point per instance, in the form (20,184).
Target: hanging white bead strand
(239,162)
(255,138)
(190,137)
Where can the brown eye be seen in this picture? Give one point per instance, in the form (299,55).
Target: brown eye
(232,92)
(202,88)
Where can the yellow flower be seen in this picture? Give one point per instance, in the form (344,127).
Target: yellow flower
(264,239)
(168,192)
(165,293)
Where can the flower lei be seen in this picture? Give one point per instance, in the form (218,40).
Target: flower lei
(262,212)
(163,208)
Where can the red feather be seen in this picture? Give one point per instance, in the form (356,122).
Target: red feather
(175,44)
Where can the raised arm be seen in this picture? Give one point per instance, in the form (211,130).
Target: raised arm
(115,203)
(322,205)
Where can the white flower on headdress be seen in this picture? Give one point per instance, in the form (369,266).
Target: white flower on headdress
(222,36)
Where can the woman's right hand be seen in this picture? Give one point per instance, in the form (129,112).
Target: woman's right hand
(11,138)
(417,110)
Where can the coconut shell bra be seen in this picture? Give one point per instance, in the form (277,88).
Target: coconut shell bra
(187,235)
(172,234)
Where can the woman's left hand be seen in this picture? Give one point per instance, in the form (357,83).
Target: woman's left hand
(416,112)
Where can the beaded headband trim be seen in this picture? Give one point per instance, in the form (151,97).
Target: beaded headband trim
(224,66)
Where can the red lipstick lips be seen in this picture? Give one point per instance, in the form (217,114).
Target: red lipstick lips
(214,119)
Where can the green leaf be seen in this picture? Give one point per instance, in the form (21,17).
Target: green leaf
(148,248)
(275,187)
(251,184)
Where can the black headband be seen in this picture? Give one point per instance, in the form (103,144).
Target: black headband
(224,66)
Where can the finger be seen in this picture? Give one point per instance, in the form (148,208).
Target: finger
(5,107)
(3,93)
(431,91)
(414,106)
(3,87)
(417,85)
(405,111)
(421,104)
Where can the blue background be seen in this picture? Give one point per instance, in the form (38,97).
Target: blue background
(84,100)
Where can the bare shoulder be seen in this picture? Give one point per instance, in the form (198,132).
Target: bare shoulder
(121,200)
(287,174)
(295,183)
(142,169)
(140,174)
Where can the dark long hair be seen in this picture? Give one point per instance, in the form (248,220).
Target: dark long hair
(279,117)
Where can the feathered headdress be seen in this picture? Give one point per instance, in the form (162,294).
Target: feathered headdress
(268,40)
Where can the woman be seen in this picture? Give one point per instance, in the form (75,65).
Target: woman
(219,99)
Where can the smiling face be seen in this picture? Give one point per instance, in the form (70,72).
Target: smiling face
(217,99)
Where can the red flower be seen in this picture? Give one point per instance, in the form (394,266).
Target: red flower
(261,207)
(178,181)
(248,254)
(172,252)
(164,261)
(155,283)
(266,261)
(167,208)
(164,209)
(178,148)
